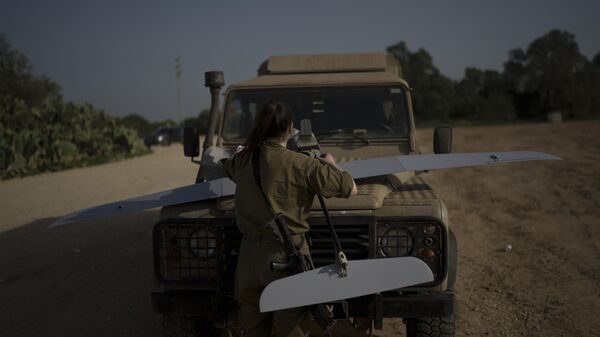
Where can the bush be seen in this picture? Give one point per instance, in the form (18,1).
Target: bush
(58,135)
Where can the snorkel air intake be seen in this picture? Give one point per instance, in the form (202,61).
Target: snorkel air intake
(215,81)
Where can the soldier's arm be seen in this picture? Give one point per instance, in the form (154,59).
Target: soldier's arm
(329,159)
(328,180)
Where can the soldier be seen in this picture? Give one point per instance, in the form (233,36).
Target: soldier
(290,180)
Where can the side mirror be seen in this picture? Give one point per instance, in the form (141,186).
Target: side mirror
(442,140)
(191,142)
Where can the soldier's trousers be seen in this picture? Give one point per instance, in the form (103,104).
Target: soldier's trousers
(253,273)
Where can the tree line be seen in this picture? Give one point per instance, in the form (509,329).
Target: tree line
(550,75)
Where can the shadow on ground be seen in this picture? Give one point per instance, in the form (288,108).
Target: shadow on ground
(87,279)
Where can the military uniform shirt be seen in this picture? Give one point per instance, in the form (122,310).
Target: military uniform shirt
(290,181)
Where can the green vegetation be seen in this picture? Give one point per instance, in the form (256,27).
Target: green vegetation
(550,75)
(40,132)
(145,127)
(200,122)
(137,122)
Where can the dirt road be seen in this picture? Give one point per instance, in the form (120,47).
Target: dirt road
(92,280)
(549,283)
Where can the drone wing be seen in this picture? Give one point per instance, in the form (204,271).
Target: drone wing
(197,192)
(324,284)
(387,165)
(359,169)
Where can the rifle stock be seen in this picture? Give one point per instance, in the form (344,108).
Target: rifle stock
(299,263)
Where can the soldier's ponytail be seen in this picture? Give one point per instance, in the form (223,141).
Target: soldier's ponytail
(272,121)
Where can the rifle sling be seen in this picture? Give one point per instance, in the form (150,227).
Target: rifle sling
(257,180)
(275,217)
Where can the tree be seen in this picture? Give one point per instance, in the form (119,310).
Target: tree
(596,60)
(543,77)
(18,81)
(138,123)
(200,122)
(482,95)
(585,93)
(432,92)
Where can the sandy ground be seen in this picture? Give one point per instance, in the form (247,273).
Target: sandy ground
(95,280)
(55,194)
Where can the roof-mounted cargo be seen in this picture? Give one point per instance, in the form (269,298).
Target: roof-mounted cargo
(330,63)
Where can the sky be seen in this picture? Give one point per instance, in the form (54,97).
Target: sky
(120,55)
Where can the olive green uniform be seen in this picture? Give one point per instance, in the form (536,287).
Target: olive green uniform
(290,181)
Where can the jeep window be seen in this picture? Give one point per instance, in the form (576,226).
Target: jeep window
(335,112)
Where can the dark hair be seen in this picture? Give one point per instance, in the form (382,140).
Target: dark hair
(273,120)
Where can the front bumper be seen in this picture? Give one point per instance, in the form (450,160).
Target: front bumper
(403,305)
(206,304)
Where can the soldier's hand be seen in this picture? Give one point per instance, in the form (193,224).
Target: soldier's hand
(328,158)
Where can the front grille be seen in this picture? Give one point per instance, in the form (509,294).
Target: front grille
(354,239)
(195,251)
(203,252)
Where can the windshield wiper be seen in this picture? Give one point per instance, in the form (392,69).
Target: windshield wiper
(354,133)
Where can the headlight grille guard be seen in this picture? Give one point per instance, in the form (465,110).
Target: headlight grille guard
(384,223)
(191,251)
(226,227)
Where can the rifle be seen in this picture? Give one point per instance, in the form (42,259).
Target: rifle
(306,142)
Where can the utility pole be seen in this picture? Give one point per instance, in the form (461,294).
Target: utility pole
(178,75)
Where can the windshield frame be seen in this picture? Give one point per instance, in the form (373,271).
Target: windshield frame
(334,138)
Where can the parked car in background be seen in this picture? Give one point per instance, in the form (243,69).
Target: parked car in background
(164,136)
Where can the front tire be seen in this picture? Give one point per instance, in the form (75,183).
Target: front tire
(430,326)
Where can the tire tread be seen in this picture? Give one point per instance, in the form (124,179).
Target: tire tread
(430,327)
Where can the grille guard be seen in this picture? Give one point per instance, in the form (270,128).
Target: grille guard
(226,257)
(215,273)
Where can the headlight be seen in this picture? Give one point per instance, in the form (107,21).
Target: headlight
(185,252)
(202,243)
(396,241)
(422,239)
(160,138)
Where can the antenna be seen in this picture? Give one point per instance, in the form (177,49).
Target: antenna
(178,75)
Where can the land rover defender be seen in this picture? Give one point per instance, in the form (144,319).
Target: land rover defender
(359,107)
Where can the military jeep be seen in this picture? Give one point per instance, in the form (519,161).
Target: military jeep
(359,107)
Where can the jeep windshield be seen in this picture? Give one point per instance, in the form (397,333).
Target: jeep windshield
(348,113)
